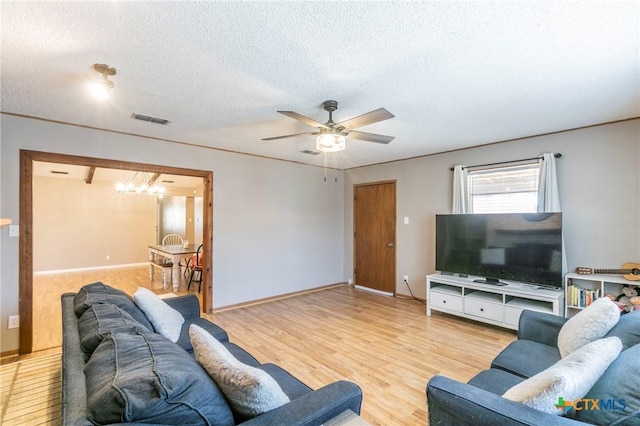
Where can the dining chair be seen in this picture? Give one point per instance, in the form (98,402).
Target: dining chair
(172,240)
(197,262)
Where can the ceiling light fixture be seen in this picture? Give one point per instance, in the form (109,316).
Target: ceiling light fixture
(330,141)
(102,88)
(145,187)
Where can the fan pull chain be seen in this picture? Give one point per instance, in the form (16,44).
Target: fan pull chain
(325,166)
(335,166)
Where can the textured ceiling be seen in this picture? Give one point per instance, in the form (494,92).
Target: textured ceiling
(455,74)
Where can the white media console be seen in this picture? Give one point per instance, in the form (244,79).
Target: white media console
(489,303)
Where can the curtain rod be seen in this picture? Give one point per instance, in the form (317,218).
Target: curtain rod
(557,155)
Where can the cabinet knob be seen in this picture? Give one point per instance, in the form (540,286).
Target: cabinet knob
(481,309)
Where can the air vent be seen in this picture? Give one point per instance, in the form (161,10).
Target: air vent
(310,152)
(58,172)
(150,119)
(168,181)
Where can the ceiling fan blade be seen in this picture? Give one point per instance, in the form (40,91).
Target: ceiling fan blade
(366,119)
(304,119)
(370,137)
(290,136)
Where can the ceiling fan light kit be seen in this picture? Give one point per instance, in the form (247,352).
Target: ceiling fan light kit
(102,88)
(330,142)
(331,136)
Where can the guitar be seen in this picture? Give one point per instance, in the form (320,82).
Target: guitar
(631,271)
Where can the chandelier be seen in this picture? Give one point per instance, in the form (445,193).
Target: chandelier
(143,185)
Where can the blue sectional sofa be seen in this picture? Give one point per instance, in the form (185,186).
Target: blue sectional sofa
(480,401)
(117,369)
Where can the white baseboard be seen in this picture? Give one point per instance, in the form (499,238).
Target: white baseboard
(373,290)
(90,268)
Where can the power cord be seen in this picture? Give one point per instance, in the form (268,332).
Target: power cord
(411,292)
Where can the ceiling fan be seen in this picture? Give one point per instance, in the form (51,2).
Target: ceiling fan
(330,136)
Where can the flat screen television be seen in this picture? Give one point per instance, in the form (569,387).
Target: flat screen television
(523,247)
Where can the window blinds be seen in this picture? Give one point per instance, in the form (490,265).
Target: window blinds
(511,189)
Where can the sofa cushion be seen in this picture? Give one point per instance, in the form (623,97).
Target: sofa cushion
(590,324)
(618,389)
(166,320)
(249,390)
(100,293)
(570,378)
(145,378)
(185,342)
(98,321)
(495,381)
(291,386)
(241,355)
(526,358)
(627,329)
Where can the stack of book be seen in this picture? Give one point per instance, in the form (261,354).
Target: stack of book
(581,297)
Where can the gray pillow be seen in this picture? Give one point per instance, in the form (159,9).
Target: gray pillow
(249,390)
(100,293)
(100,320)
(618,389)
(145,378)
(166,320)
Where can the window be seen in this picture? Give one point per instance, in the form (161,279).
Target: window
(512,189)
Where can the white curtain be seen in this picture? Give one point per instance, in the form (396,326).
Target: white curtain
(548,194)
(460,194)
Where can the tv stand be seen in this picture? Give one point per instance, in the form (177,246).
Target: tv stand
(499,305)
(491,281)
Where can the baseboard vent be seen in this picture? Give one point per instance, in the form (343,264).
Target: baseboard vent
(310,152)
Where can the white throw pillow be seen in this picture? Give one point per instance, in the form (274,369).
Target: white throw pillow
(592,323)
(249,390)
(165,320)
(570,378)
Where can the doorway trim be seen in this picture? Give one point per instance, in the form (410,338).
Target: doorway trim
(25,245)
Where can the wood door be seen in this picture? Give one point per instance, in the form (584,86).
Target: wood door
(374,217)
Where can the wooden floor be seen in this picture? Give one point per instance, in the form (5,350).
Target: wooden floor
(47,289)
(386,345)
(30,391)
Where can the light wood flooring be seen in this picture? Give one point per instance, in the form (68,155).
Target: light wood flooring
(47,289)
(386,345)
(30,391)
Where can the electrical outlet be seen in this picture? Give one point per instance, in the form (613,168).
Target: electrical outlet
(14,321)
(406,278)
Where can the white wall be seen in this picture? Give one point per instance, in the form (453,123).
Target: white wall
(278,228)
(599,175)
(76,225)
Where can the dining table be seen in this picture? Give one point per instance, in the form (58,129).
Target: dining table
(159,253)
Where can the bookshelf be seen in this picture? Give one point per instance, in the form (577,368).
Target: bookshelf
(581,290)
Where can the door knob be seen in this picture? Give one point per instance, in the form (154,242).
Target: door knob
(390,245)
